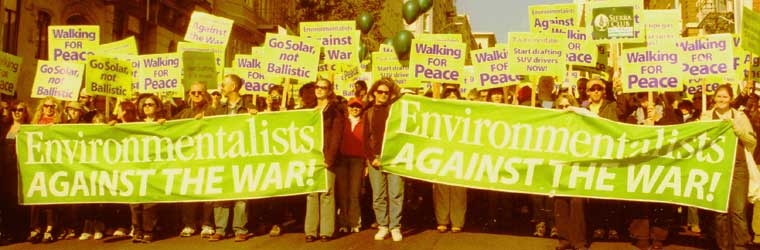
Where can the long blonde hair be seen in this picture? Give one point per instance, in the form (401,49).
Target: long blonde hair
(38,111)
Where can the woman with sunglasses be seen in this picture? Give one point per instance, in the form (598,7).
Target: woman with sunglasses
(144,218)
(320,207)
(11,211)
(387,189)
(47,113)
(199,105)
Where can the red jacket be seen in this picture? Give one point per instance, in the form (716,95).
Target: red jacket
(352,144)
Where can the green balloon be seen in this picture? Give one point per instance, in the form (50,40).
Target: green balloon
(411,11)
(402,42)
(365,22)
(425,5)
(362,52)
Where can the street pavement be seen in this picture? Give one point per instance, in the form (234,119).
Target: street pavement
(416,240)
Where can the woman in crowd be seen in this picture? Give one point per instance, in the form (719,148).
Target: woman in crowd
(350,168)
(450,202)
(73,114)
(199,106)
(93,214)
(144,216)
(731,227)
(47,113)
(11,211)
(569,213)
(117,215)
(387,189)
(320,207)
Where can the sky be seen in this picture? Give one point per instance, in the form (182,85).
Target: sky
(500,16)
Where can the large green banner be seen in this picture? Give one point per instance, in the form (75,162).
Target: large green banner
(558,153)
(212,159)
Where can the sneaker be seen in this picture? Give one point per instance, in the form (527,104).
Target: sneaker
(696,229)
(242,237)
(216,237)
(343,230)
(540,229)
(47,237)
(137,238)
(147,238)
(71,234)
(206,232)
(34,236)
(97,236)
(442,228)
(554,233)
(85,236)
(187,232)
(382,232)
(456,229)
(276,231)
(613,235)
(356,229)
(396,234)
(119,233)
(374,225)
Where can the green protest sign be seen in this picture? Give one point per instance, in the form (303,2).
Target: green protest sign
(750,31)
(213,159)
(615,20)
(551,152)
(199,67)
(10,66)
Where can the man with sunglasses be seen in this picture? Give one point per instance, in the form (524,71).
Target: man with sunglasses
(597,103)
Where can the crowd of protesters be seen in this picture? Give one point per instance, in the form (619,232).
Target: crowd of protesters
(360,195)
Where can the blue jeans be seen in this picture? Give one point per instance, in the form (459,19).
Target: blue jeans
(320,210)
(239,217)
(387,197)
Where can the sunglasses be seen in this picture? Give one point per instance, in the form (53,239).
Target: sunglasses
(595,88)
(323,87)
(563,106)
(216,94)
(48,106)
(195,92)
(355,107)
(17,110)
(382,92)
(149,104)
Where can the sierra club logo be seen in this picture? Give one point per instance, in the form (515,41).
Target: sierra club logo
(613,22)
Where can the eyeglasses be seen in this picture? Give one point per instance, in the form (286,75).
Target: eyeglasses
(595,88)
(195,92)
(323,87)
(149,104)
(48,106)
(381,92)
(17,110)
(355,106)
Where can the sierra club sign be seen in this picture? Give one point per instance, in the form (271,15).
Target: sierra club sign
(551,152)
(213,159)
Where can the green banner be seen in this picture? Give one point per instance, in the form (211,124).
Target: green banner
(212,159)
(558,153)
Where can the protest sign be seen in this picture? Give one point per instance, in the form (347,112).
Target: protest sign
(9,68)
(558,153)
(126,46)
(386,64)
(339,46)
(490,67)
(248,67)
(750,31)
(208,29)
(326,27)
(291,57)
(435,61)
(580,50)
(219,52)
(744,62)
(58,79)
(160,73)
(199,66)
(386,48)
(651,69)
(525,58)
(108,76)
(214,159)
(661,27)
(542,17)
(615,20)
(454,38)
(72,43)
(706,56)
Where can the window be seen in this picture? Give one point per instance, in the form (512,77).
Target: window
(10,28)
(43,21)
